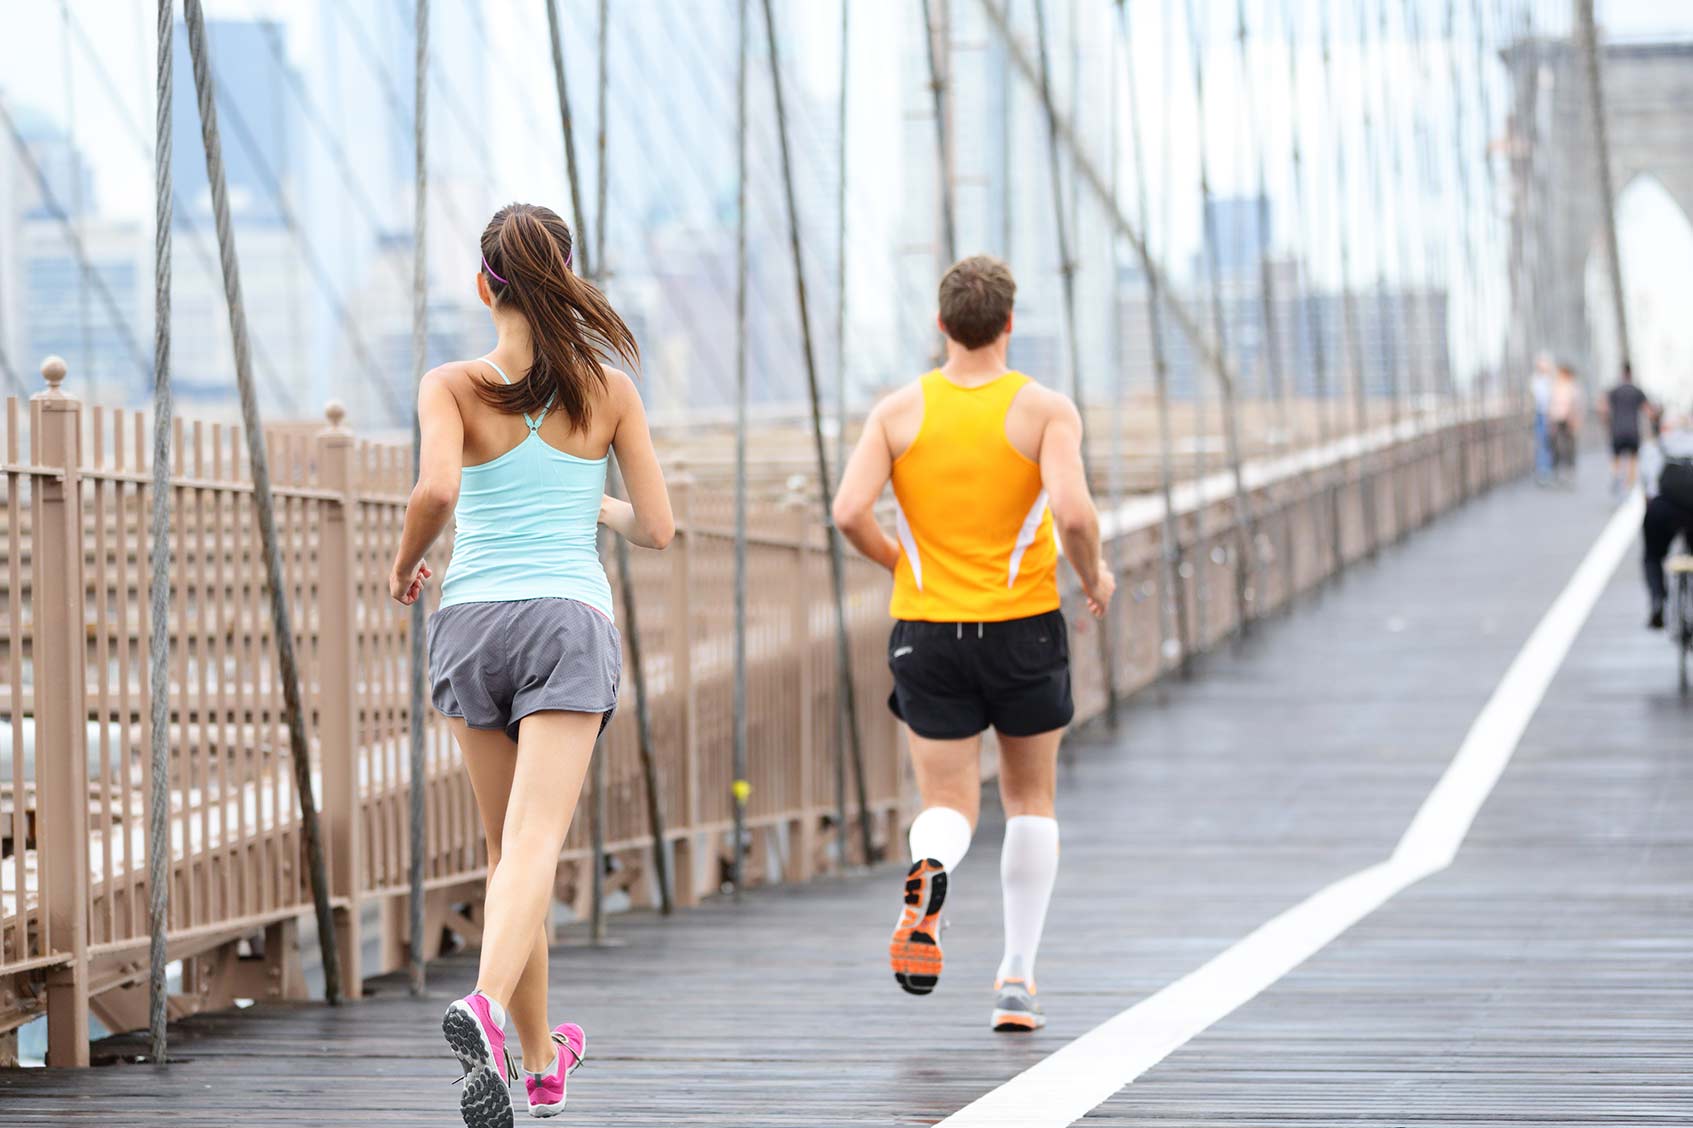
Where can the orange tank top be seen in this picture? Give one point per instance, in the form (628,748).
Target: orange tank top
(974,531)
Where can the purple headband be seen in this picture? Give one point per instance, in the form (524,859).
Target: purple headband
(570,255)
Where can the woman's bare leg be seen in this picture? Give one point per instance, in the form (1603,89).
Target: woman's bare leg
(490,758)
(553,750)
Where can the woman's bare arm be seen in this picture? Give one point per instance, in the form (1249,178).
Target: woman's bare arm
(431,505)
(645,519)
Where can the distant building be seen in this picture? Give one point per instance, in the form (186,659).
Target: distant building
(1400,335)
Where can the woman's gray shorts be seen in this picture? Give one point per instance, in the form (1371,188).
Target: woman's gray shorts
(495,663)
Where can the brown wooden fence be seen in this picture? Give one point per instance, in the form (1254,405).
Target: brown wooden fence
(74,727)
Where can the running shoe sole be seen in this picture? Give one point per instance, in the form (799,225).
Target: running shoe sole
(485,1102)
(1014,1022)
(915,950)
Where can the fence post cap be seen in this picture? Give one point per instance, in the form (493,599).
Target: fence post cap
(335,412)
(53,371)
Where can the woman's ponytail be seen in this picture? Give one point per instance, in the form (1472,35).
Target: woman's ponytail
(526,253)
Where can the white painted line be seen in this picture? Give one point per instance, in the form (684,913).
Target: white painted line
(1065,1086)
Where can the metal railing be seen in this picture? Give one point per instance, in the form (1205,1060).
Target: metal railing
(74,720)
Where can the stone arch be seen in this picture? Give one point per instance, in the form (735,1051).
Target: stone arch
(1655,237)
(1649,115)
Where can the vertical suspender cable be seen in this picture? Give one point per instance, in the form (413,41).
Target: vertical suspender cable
(739,753)
(1382,195)
(1067,277)
(939,71)
(1490,211)
(625,572)
(1195,637)
(1266,279)
(1316,328)
(1173,604)
(158,588)
(584,245)
(1459,188)
(1348,297)
(602,76)
(287,667)
(1245,535)
(584,261)
(419,362)
(837,566)
(840,345)
(593,267)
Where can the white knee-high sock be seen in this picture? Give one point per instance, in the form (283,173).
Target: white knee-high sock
(941,833)
(1028,865)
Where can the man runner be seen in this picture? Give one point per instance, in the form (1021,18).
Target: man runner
(1621,408)
(985,465)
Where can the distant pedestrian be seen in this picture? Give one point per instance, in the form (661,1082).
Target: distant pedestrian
(1666,473)
(1540,386)
(1622,407)
(1563,420)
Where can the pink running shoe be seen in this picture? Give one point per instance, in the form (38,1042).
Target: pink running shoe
(480,1045)
(546,1090)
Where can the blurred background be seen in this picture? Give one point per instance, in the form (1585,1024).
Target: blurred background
(316,101)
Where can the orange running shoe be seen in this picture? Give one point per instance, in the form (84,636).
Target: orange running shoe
(915,950)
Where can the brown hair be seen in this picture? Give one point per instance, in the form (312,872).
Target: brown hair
(977,294)
(526,252)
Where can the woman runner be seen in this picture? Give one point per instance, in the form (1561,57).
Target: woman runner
(524,658)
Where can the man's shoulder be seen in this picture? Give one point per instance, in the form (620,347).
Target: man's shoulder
(1048,403)
(901,398)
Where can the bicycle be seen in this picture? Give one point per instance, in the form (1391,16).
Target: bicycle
(1680,569)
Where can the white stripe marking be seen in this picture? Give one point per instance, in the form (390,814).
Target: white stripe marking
(1025,537)
(908,542)
(1064,1087)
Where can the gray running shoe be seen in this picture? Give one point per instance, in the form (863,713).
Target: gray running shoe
(1015,1007)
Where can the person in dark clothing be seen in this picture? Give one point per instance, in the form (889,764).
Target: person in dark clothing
(1621,407)
(1667,474)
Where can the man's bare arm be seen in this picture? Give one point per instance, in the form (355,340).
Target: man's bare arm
(867,473)
(1073,513)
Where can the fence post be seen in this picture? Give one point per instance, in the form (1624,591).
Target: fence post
(337,728)
(690,853)
(61,710)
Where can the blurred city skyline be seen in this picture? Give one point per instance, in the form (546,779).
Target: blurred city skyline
(321,167)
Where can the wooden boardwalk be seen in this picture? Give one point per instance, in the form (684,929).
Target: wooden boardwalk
(1545,978)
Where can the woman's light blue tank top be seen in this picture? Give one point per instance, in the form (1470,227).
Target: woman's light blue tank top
(527,525)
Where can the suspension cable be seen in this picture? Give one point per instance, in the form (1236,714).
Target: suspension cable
(287,667)
(837,566)
(1246,560)
(738,790)
(420,363)
(158,584)
(939,74)
(1348,296)
(1172,605)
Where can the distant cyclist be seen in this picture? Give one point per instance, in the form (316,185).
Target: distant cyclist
(1666,471)
(1622,408)
(985,465)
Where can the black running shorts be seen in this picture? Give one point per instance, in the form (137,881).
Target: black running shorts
(1624,444)
(952,680)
